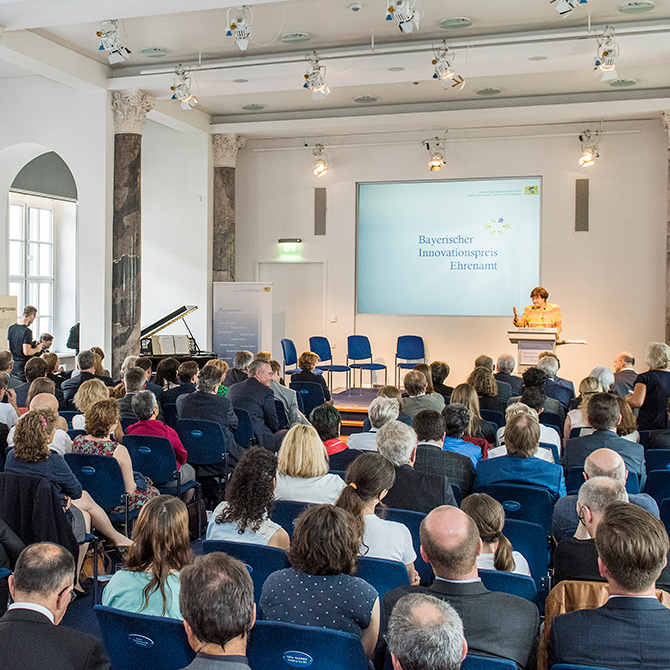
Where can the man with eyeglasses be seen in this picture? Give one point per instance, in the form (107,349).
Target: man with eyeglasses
(30,637)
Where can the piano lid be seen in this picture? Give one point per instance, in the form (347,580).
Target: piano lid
(167,320)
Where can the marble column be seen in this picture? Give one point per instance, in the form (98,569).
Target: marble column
(224,148)
(130,109)
(666,123)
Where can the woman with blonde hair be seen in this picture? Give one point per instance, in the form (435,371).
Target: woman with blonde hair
(90,392)
(497,552)
(577,417)
(224,367)
(465,394)
(652,389)
(424,369)
(149,583)
(302,468)
(307,362)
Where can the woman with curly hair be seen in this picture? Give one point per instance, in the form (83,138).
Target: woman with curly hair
(90,392)
(101,420)
(245,514)
(149,583)
(486,387)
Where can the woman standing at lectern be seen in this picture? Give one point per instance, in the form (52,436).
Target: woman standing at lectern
(540,314)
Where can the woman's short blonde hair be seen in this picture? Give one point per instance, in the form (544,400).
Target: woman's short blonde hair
(308,360)
(658,355)
(302,453)
(219,365)
(90,392)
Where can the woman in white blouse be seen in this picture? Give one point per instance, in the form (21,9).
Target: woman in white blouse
(577,417)
(369,479)
(302,468)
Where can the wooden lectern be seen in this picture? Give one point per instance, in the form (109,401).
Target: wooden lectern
(530,342)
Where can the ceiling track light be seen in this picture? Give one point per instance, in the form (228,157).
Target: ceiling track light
(606,57)
(320,160)
(443,58)
(240,26)
(316,77)
(404,12)
(589,140)
(110,41)
(181,89)
(565,7)
(436,148)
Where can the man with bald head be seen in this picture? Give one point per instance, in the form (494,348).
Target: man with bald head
(494,624)
(62,444)
(624,375)
(600,463)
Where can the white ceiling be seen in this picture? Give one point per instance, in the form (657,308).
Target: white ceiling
(494,52)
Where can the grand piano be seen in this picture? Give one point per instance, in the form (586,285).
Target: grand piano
(147,345)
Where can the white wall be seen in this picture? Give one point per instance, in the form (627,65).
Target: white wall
(175,241)
(609,282)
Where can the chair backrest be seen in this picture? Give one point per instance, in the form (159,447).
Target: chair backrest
(458,494)
(281,414)
(530,540)
(75,432)
(575,432)
(383,575)
(492,416)
(485,663)
(575,479)
(100,476)
(321,347)
(412,520)
(142,641)
(570,666)
(261,561)
(153,456)
(508,582)
(290,354)
(170,414)
(657,459)
(275,645)
(525,503)
(127,421)
(553,420)
(644,437)
(554,450)
(244,432)
(358,347)
(665,513)
(286,512)
(410,347)
(204,441)
(312,394)
(658,485)
(67,415)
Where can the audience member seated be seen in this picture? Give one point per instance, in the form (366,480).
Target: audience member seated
(494,624)
(187,373)
(223,368)
(238,373)
(381,411)
(544,453)
(549,364)
(535,399)
(466,395)
(149,582)
(134,381)
(369,478)
(302,471)
(440,371)
(486,388)
(605,376)
(534,377)
(51,360)
(323,555)
(431,457)
(456,420)
(577,418)
(327,421)
(86,368)
(36,368)
(166,374)
(145,364)
(6,368)
(146,410)
(413,489)
(61,442)
(658,439)
(630,629)
(101,371)
(9,411)
(256,397)
(652,389)
(576,557)
(505,367)
(245,515)
(217,603)
(390,391)
(287,397)
(518,467)
(627,427)
(425,370)
(504,390)
(101,420)
(497,552)
(624,374)
(87,395)
(30,637)
(41,385)
(31,456)
(603,415)
(416,385)
(11,547)
(307,362)
(425,632)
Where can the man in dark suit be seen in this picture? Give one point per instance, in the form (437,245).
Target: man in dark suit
(30,637)
(534,377)
(504,389)
(431,457)
(604,416)
(256,397)
(134,381)
(34,369)
(145,363)
(495,624)
(240,370)
(86,367)
(413,490)
(624,374)
(187,374)
(505,367)
(553,389)
(439,371)
(631,629)
(6,367)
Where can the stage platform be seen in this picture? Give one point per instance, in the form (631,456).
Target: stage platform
(353,405)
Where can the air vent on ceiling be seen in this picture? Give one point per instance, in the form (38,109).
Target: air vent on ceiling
(489,91)
(295,38)
(253,108)
(456,22)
